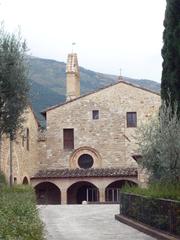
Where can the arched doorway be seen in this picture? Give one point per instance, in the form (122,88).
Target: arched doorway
(25,181)
(112,193)
(47,193)
(82,191)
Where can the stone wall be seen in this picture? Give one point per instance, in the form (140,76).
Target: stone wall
(25,162)
(108,135)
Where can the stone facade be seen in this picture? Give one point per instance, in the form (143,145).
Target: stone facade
(100,132)
(107,139)
(25,158)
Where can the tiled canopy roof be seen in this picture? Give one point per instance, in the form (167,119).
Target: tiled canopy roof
(92,172)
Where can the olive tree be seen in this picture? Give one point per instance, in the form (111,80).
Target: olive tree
(13,85)
(159,145)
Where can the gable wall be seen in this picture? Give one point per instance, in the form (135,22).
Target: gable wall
(109,135)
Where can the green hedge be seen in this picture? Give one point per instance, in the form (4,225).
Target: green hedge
(19,218)
(157,190)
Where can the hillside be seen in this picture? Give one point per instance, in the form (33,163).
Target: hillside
(47,79)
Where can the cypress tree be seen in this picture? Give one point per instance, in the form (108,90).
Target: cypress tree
(170,82)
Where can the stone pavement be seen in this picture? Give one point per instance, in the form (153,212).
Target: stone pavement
(86,222)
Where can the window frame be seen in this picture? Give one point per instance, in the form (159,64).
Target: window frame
(131,121)
(68,141)
(95,114)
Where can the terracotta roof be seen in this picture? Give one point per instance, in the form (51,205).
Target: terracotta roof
(92,172)
(121,81)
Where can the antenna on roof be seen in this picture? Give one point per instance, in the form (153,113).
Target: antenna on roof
(73,44)
(120,78)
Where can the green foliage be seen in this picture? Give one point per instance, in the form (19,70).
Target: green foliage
(156,190)
(159,145)
(170,85)
(19,216)
(13,81)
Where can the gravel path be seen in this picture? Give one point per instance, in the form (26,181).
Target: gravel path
(86,222)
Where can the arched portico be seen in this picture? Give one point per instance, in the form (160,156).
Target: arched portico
(47,193)
(112,191)
(82,191)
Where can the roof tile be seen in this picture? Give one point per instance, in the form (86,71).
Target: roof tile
(92,172)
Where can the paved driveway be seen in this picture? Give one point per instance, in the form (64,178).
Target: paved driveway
(86,222)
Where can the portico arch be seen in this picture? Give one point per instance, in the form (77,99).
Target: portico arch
(47,193)
(112,191)
(82,191)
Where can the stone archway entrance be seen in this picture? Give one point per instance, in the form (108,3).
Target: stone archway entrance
(112,192)
(47,193)
(82,191)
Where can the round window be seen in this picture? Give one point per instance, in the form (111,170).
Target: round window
(85,161)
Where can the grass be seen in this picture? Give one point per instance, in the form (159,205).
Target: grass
(19,218)
(156,190)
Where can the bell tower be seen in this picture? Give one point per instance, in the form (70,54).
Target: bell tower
(72,77)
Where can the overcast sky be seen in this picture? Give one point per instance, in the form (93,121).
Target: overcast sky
(109,34)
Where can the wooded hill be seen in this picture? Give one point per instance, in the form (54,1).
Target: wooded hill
(47,79)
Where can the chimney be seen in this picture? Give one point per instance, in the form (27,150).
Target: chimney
(72,77)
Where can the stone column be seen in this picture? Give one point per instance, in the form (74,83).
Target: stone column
(63,196)
(102,194)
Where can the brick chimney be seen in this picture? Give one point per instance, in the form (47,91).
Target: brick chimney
(72,77)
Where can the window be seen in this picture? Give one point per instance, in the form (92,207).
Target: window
(27,139)
(23,139)
(68,137)
(95,114)
(85,161)
(131,119)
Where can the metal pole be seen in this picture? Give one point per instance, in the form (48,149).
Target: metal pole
(113,195)
(87,195)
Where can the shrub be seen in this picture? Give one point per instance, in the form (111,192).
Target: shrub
(159,145)
(156,190)
(19,216)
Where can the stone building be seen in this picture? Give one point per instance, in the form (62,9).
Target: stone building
(89,149)
(25,150)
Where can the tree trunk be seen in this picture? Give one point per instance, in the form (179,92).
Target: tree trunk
(0,152)
(11,161)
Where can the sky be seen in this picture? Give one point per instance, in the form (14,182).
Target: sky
(109,34)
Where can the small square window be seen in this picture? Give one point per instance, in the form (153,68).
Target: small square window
(131,119)
(95,114)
